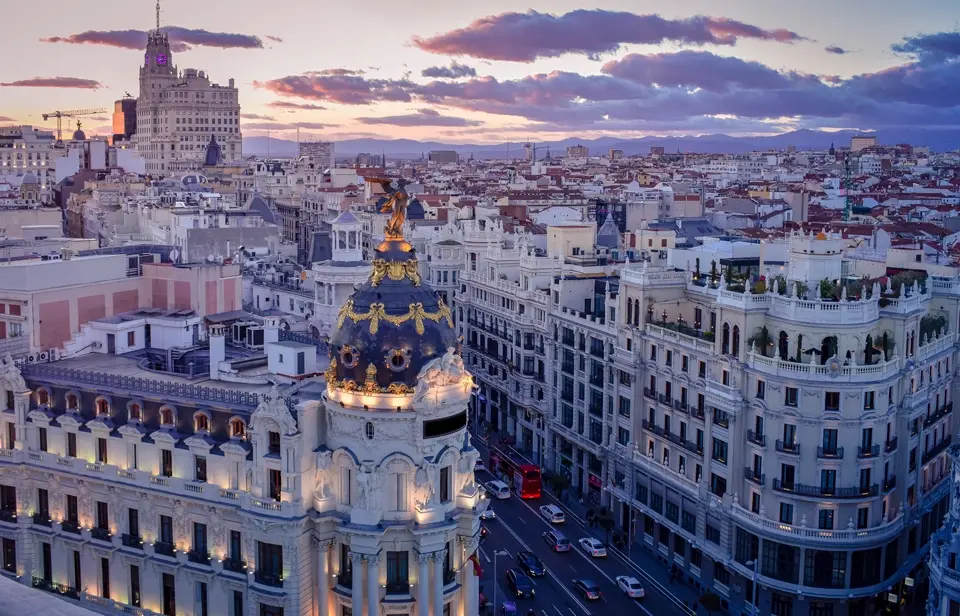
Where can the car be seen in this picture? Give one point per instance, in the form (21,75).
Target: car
(488,514)
(530,564)
(520,585)
(588,589)
(484,533)
(556,541)
(553,514)
(631,586)
(479,466)
(593,547)
(498,489)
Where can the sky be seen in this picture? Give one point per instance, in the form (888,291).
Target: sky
(494,71)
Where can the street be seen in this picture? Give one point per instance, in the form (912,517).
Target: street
(519,526)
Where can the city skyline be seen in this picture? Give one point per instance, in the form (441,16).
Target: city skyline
(547,70)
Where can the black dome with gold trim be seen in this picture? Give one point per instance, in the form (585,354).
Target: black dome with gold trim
(390,327)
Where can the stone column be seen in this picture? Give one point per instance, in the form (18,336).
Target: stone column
(438,558)
(356,590)
(471,590)
(423,585)
(373,585)
(323,576)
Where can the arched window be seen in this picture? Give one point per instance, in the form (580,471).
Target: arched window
(369,430)
(201,422)
(725,341)
(166,416)
(72,402)
(103,407)
(783,345)
(43,397)
(237,428)
(736,340)
(135,412)
(629,311)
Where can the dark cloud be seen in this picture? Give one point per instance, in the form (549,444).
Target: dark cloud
(55,82)
(835,49)
(275,39)
(454,71)
(256,116)
(935,47)
(423,117)
(181,39)
(524,37)
(286,105)
(344,89)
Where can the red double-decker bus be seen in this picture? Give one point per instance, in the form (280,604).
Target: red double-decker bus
(522,475)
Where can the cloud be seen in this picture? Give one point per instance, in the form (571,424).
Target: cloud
(256,116)
(275,39)
(454,71)
(286,126)
(336,72)
(98,118)
(344,89)
(181,39)
(55,82)
(6,119)
(835,49)
(423,117)
(286,105)
(524,37)
(935,47)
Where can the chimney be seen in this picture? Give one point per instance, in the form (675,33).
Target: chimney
(271,330)
(218,349)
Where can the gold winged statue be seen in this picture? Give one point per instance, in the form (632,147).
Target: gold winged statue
(397,197)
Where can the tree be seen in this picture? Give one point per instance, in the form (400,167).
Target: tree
(560,483)
(696,272)
(605,521)
(711,602)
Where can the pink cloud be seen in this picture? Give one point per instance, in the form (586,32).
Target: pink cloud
(54,82)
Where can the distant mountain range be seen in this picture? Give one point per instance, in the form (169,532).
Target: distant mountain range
(937,140)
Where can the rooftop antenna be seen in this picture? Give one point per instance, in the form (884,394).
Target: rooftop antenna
(158,15)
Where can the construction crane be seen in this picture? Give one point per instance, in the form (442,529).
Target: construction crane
(76,113)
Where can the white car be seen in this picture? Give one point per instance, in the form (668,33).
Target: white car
(553,514)
(488,514)
(593,547)
(498,489)
(479,466)
(631,586)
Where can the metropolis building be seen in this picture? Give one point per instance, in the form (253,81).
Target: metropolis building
(250,483)
(180,112)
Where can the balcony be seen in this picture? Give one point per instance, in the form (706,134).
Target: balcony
(697,412)
(691,446)
(791,448)
(398,588)
(449,577)
(234,564)
(830,453)
(199,557)
(132,541)
(684,336)
(826,491)
(937,415)
(664,399)
(269,579)
(8,515)
(751,475)
(757,439)
(681,406)
(101,534)
(937,449)
(866,373)
(70,526)
(890,445)
(56,588)
(345,580)
(650,393)
(870,451)
(42,518)
(889,484)
(164,547)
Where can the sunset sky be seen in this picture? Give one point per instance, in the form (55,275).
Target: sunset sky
(496,71)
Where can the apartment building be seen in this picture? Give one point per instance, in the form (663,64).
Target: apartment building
(944,590)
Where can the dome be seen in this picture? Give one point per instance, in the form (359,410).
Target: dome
(214,155)
(28,178)
(415,210)
(390,327)
(79,135)
(608,236)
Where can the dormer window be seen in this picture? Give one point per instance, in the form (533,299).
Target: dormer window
(201,423)
(72,402)
(135,412)
(103,407)
(238,429)
(166,416)
(43,397)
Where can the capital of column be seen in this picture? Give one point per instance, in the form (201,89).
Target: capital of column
(356,557)
(372,559)
(322,544)
(424,557)
(440,555)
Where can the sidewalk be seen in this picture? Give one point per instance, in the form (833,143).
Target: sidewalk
(639,552)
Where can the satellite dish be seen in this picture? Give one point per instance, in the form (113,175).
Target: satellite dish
(175,255)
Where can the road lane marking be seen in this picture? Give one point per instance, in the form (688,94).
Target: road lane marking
(645,610)
(484,554)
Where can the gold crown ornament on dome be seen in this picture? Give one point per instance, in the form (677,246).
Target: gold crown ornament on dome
(395,270)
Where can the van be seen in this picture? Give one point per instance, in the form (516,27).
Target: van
(498,489)
(556,541)
(552,514)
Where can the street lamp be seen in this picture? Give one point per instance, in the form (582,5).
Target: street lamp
(754,563)
(495,578)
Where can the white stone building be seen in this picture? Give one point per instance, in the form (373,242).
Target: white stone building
(335,279)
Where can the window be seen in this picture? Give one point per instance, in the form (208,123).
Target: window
(72,402)
(166,463)
(200,468)
(790,397)
(131,339)
(398,573)
(134,594)
(719,450)
(200,538)
(72,512)
(43,397)
(868,400)
(102,450)
(761,389)
(713,534)
(201,423)
(238,603)
(831,400)
(445,484)
(71,444)
(135,412)
(863,517)
(718,484)
(274,443)
(786,513)
(103,407)
(684,363)
(166,416)
(43,439)
(169,597)
(825,519)
(103,519)
(702,370)
(105,577)
(9,555)
(133,522)
(237,428)
(236,546)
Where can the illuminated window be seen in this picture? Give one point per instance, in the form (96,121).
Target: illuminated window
(103,407)
(135,412)
(202,422)
(72,401)
(43,397)
(237,428)
(166,416)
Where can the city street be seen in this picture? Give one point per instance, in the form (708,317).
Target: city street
(519,526)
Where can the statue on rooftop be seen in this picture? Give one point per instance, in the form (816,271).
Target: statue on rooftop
(397,197)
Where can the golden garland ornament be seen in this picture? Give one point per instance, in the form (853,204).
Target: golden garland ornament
(377,313)
(331,372)
(395,270)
